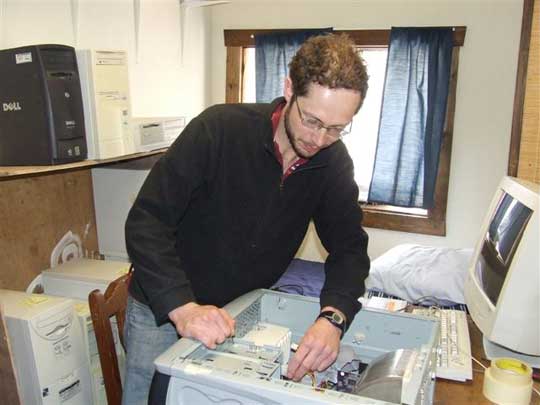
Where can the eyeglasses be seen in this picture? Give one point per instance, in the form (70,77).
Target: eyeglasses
(333,132)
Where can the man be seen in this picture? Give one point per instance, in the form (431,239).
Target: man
(224,211)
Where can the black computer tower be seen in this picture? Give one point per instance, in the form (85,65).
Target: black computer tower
(41,110)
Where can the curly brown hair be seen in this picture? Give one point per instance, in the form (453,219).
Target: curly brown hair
(329,60)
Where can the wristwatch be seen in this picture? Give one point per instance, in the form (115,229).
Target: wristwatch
(335,319)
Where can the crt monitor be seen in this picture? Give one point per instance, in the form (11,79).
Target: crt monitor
(503,281)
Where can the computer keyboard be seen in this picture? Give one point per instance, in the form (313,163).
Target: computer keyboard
(454,354)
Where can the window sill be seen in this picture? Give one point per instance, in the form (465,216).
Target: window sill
(390,219)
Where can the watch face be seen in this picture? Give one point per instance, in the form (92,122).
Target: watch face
(337,318)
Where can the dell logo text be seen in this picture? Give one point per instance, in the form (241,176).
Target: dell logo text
(13,106)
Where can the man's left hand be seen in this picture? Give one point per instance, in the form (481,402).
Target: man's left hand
(318,349)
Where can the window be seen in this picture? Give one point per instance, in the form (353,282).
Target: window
(362,142)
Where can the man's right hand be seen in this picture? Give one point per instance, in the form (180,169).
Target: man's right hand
(206,323)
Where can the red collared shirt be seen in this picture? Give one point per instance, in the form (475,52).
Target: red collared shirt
(276,115)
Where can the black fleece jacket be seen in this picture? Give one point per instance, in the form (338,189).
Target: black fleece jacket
(214,219)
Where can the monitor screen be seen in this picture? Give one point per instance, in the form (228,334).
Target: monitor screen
(499,245)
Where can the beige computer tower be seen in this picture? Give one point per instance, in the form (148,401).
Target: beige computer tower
(82,310)
(106,100)
(48,349)
(75,279)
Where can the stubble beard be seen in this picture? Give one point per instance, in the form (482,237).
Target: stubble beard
(290,136)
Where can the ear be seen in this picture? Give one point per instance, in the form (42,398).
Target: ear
(288,90)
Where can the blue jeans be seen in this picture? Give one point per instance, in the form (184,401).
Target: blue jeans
(144,342)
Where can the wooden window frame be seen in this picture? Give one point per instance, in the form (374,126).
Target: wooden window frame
(521,85)
(375,216)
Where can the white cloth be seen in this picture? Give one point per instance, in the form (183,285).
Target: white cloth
(414,272)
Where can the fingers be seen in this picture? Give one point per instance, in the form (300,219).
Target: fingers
(301,367)
(206,323)
(296,368)
(326,361)
(310,358)
(317,351)
(221,321)
(213,326)
(227,322)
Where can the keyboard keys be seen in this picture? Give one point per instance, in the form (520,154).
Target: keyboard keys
(454,354)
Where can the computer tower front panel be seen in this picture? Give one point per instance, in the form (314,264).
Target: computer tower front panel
(41,119)
(47,348)
(65,115)
(106,99)
(23,118)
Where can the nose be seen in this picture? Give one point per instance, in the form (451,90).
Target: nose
(319,137)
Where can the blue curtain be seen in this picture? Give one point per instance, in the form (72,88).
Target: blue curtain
(273,52)
(412,117)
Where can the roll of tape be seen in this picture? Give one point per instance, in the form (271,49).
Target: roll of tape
(508,381)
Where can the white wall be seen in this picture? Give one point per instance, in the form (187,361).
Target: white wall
(485,93)
(161,82)
(161,85)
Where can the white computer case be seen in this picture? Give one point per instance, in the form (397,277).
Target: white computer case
(400,349)
(47,347)
(106,101)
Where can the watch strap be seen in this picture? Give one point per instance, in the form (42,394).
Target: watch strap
(335,319)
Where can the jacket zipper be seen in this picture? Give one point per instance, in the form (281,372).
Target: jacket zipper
(301,169)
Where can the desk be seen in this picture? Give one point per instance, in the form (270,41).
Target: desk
(452,392)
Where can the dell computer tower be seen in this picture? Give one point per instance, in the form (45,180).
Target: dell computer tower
(41,114)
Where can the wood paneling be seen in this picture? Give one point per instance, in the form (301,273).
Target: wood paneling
(35,212)
(8,380)
(529,156)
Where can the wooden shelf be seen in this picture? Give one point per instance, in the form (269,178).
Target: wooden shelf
(9,172)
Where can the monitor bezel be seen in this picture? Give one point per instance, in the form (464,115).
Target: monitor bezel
(492,319)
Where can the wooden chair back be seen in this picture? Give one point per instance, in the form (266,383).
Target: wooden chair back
(102,307)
